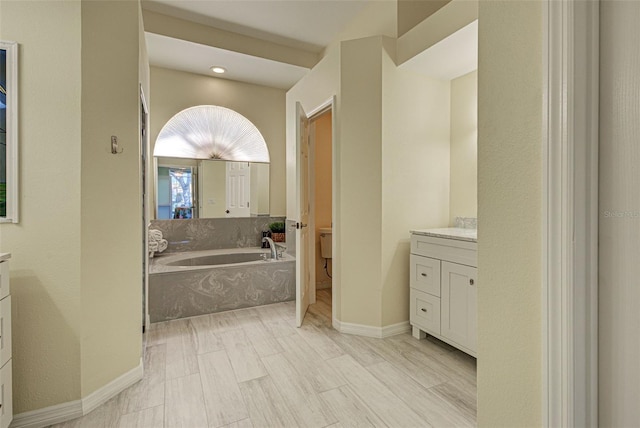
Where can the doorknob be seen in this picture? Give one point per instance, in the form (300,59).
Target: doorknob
(227,211)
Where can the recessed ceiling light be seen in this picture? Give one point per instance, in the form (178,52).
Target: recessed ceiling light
(218,70)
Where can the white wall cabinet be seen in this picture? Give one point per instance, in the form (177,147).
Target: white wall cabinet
(6,397)
(443,281)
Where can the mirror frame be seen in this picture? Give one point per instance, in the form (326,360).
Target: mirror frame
(11,49)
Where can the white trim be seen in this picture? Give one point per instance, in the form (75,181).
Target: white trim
(113,388)
(570,213)
(12,199)
(395,329)
(74,409)
(370,331)
(48,416)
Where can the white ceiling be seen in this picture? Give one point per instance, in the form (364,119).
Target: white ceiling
(308,25)
(304,24)
(192,57)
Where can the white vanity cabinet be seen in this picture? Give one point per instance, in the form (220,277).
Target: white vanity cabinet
(443,281)
(6,402)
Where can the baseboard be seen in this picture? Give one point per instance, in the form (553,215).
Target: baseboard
(370,331)
(48,416)
(113,388)
(74,409)
(395,329)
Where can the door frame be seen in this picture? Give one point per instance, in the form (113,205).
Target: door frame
(329,104)
(570,213)
(144,178)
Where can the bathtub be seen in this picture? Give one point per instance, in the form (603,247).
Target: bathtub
(203,282)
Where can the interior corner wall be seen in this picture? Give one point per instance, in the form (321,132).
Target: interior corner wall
(174,91)
(464,147)
(510,135)
(360,180)
(415,174)
(111,207)
(45,245)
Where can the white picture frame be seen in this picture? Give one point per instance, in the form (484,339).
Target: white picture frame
(9,124)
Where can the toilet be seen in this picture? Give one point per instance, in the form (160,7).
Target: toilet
(325,242)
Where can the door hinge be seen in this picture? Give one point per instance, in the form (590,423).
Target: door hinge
(300,225)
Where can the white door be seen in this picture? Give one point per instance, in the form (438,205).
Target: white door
(302,229)
(459,304)
(238,189)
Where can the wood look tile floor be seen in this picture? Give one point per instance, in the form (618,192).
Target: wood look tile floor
(253,368)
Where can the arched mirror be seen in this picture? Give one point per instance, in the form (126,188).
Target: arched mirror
(211,162)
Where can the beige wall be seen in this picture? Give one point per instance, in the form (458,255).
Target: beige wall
(415,174)
(360,180)
(45,266)
(111,196)
(173,91)
(509,213)
(464,147)
(619,224)
(323,188)
(68,341)
(412,12)
(259,189)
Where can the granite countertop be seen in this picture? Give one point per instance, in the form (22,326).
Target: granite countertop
(4,256)
(460,234)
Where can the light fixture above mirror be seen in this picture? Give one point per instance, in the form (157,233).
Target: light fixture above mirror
(211,132)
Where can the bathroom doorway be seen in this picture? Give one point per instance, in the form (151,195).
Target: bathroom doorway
(321,154)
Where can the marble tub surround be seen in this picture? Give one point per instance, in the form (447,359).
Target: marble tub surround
(180,292)
(457,233)
(168,263)
(213,233)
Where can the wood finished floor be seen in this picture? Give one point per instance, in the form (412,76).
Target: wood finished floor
(254,368)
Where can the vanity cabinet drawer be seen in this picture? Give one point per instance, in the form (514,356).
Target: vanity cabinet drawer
(425,311)
(6,399)
(5,330)
(4,279)
(425,274)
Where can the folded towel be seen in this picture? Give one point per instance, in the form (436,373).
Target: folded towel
(162,245)
(155,235)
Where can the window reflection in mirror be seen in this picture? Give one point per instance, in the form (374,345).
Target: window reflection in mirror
(191,188)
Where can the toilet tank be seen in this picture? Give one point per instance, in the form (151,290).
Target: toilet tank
(325,242)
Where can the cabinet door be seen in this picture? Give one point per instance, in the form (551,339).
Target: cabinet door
(5,330)
(459,304)
(6,399)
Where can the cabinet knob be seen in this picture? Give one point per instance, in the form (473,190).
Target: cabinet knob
(423,310)
(471,281)
(424,274)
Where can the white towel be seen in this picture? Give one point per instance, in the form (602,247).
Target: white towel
(162,245)
(155,235)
